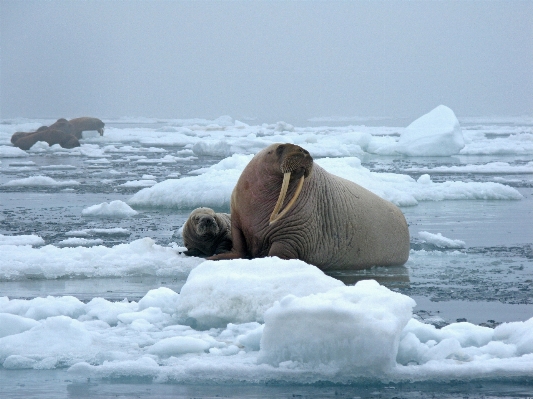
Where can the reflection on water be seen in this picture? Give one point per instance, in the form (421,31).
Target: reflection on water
(58,384)
(391,277)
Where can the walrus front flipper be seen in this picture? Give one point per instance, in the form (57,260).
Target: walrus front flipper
(194,252)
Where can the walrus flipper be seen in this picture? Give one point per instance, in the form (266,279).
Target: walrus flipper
(194,252)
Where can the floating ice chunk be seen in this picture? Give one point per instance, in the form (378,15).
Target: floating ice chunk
(440,241)
(422,343)
(98,161)
(58,167)
(79,242)
(11,324)
(515,144)
(239,291)
(436,133)
(355,327)
(219,148)
(102,309)
(151,315)
(17,362)
(113,209)
(151,161)
(176,346)
(139,183)
(189,192)
(489,168)
(162,298)
(42,308)
(519,334)
(40,181)
(31,239)
(140,257)
(117,231)
(12,152)
(57,340)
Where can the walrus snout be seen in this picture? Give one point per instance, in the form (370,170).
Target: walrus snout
(295,162)
(207,225)
(294,159)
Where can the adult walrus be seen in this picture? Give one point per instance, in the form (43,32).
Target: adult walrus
(329,222)
(86,123)
(207,233)
(50,136)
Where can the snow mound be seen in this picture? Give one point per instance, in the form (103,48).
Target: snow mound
(12,152)
(211,189)
(113,209)
(21,240)
(140,257)
(436,133)
(239,291)
(355,327)
(440,241)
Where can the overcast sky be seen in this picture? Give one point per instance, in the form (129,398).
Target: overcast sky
(270,60)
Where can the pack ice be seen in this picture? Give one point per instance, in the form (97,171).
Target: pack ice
(256,321)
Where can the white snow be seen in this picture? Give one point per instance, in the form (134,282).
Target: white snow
(321,332)
(79,242)
(211,189)
(40,181)
(489,168)
(139,183)
(117,231)
(141,256)
(436,133)
(12,152)
(30,239)
(356,328)
(214,185)
(440,241)
(222,292)
(113,209)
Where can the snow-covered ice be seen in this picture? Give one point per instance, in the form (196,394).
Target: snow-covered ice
(440,241)
(325,332)
(113,209)
(436,133)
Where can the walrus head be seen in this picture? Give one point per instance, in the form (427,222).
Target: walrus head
(204,222)
(296,163)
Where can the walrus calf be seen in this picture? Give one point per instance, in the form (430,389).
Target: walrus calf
(86,123)
(207,233)
(329,222)
(50,136)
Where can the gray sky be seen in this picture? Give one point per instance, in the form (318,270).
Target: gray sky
(273,60)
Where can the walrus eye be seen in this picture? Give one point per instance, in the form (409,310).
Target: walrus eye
(280,149)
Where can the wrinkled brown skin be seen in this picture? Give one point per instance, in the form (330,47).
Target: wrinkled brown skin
(334,223)
(52,137)
(207,233)
(86,123)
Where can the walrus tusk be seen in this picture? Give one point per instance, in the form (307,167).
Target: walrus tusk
(275,216)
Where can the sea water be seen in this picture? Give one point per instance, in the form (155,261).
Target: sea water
(93,234)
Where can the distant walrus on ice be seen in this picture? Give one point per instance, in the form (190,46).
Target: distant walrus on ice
(86,123)
(207,233)
(329,222)
(65,140)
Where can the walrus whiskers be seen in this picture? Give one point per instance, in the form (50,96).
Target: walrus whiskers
(275,216)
